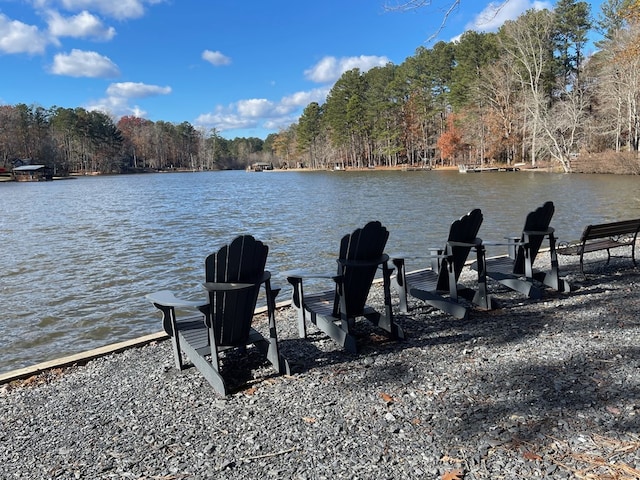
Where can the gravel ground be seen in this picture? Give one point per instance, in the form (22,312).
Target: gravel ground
(534,389)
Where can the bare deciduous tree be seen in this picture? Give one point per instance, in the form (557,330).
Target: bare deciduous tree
(527,41)
(406,5)
(564,127)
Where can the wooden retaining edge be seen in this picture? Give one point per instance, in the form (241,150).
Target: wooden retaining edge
(80,358)
(84,357)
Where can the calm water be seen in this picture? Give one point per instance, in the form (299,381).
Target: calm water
(80,255)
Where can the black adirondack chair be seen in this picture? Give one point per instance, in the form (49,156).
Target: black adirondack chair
(335,311)
(438,285)
(516,270)
(233,277)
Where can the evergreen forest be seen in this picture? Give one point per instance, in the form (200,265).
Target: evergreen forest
(535,92)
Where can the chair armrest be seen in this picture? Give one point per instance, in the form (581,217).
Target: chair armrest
(226,287)
(301,274)
(167,302)
(363,263)
(476,243)
(539,232)
(434,259)
(167,298)
(403,256)
(509,241)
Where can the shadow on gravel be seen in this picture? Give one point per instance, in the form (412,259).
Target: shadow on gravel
(526,398)
(531,369)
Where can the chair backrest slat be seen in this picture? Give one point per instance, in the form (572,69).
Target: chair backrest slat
(464,230)
(537,221)
(242,261)
(367,243)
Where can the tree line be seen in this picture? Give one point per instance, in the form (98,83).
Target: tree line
(530,92)
(76,140)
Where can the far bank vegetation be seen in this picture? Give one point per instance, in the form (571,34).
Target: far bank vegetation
(530,93)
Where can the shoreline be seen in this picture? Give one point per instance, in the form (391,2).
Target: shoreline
(535,389)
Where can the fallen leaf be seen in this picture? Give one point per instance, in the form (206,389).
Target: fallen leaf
(531,456)
(386,397)
(250,391)
(448,459)
(309,419)
(613,410)
(453,475)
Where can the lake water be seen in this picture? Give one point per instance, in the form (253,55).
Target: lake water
(80,255)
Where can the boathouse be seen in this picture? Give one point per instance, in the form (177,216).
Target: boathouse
(32,173)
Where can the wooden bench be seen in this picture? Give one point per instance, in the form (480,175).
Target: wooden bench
(604,236)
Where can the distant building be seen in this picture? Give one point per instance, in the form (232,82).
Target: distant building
(260,166)
(32,173)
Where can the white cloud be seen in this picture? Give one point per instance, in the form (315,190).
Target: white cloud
(223,119)
(120,9)
(255,107)
(136,90)
(116,103)
(260,112)
(18,37)
(83,25)
(496,13)
(329,69)
(80,63)
(302,99)
(116,107)
(215,58)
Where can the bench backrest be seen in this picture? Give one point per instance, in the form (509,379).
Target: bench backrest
(604,230)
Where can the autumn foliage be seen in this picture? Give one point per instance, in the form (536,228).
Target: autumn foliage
(450,142)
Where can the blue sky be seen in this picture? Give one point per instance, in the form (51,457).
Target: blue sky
(245,68)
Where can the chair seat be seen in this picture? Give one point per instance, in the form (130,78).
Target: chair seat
(499,265)
(195,332)
(321,303)
(423,280)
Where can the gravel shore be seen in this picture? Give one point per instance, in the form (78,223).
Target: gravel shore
(534,389)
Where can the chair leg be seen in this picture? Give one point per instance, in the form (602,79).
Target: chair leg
(341,336)
(269,348)
(273,352)
(552,279)
(387,321)
(296,302)
(209,370)
(169,324)
(525,287)
(481,296)
(446,305)
(399,284)
(177,354)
